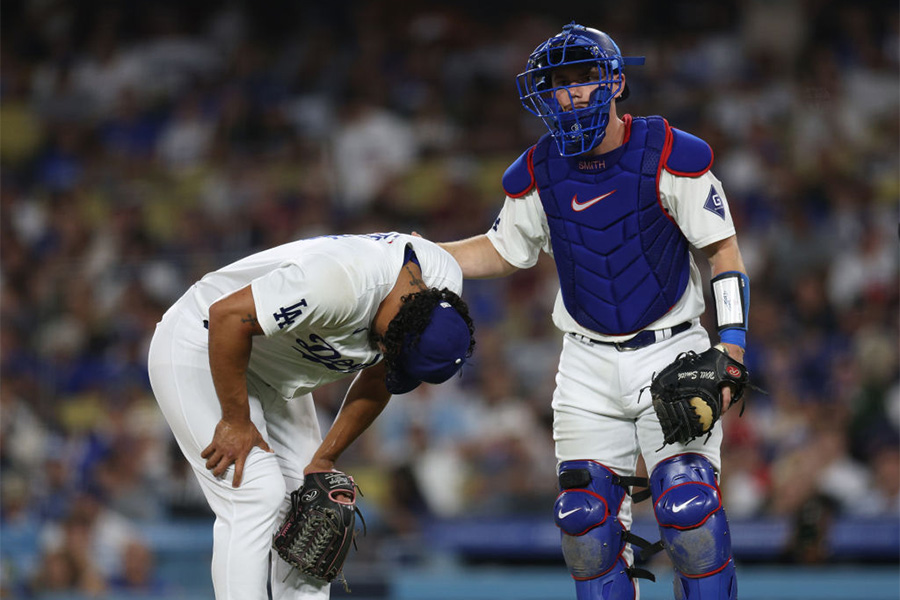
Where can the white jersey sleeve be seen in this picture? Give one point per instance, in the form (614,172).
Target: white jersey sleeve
(521,231)
(699,207)
(313,291)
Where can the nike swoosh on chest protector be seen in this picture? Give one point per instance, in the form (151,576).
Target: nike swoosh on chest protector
(580,206)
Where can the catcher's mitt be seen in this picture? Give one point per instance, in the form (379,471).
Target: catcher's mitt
(687,394)
(319,528)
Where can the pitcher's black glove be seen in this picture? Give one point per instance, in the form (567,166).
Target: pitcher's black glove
(317,532)
(687,394)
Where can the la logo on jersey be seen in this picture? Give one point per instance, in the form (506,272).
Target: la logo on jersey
(714,203)
(286,315)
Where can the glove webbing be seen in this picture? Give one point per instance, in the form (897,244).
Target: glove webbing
(314,534)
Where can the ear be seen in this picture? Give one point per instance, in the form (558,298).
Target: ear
(622,87)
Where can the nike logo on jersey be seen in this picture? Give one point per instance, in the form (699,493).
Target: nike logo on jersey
(580,206)
(563,515)
(680,507)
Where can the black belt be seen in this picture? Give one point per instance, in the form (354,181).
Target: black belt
(642,339)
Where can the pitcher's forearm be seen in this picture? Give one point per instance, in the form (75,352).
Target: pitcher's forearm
(365,399)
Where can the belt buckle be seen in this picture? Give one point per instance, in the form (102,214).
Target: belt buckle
(621,347)
(637,342)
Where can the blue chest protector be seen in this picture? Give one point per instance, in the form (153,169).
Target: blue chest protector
(622,261)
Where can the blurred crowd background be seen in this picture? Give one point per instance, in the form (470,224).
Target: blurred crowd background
(143,144)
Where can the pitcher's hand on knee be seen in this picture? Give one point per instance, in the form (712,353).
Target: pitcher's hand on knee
(231,444)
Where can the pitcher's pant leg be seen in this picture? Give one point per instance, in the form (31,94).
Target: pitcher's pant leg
(245,517)
(294,435)
(245,520)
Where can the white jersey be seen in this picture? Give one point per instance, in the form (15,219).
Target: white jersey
(521,232)
(316,300)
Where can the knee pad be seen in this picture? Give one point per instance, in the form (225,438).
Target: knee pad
(693,526)
(593,539)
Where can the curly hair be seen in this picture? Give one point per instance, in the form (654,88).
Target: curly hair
(414,316)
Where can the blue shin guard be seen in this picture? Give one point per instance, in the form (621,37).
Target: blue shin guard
(593,538)
(694,529)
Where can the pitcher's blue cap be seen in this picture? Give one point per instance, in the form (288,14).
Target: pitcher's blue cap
(437,356)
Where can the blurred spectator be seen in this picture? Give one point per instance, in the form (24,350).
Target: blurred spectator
(808,542)
(21,525)
(865,270)
(102,535)
(186,140)
(510,450)
(180,491)
(138,575)
(748,484)
(127,131)
(883,499)
(371,147)
(66,566)
(439,473)
(23,128)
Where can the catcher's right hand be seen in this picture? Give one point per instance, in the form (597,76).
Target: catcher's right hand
(687,394)
(318,530)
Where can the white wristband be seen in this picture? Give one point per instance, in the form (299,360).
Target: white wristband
(730,291)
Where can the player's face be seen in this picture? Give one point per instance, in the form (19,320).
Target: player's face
(580,80)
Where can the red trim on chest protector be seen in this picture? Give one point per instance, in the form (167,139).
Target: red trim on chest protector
(663,157)
(530,163)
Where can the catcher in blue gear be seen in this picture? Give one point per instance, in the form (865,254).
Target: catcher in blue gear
(619,202)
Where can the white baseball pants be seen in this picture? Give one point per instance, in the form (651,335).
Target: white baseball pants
(601,414)
(246,517)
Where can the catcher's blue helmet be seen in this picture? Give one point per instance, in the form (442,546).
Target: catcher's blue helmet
(582,128)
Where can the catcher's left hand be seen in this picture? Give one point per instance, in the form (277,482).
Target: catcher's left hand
(687,394)
(318,530)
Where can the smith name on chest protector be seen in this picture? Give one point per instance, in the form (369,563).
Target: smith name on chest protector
(622,260)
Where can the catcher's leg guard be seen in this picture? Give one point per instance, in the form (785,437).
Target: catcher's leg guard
(593,538)
(688,507)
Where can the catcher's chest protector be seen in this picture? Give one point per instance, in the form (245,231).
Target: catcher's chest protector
(622,261)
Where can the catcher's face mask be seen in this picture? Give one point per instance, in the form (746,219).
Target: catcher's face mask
(579,129)
(438,355)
